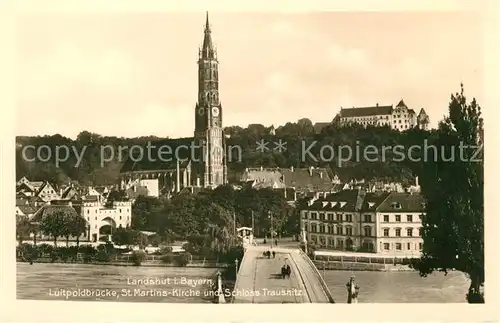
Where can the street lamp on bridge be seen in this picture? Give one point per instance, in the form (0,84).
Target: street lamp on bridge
(270,216)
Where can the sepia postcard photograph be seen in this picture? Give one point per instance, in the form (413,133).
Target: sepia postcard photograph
(249,157)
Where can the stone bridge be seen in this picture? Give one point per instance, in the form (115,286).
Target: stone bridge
(259,279)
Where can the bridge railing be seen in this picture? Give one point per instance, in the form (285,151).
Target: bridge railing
(241,265)
(318,274)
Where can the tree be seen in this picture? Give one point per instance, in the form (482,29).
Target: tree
(22,227)
(115,195)
(140,239)
(74,225)
(452,184)
(123,236)
(77,226)
(54,224)
(145,210)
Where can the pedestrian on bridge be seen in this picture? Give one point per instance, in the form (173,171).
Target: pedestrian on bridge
(283,272)
(288,271)
(274,254)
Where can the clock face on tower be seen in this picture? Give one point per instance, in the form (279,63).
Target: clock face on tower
(215,111)
(201,111)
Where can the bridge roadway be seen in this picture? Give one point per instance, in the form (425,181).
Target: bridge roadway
(259,278)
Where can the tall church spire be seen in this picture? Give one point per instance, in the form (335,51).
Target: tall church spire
(210,165)
(207,51)
(207,25)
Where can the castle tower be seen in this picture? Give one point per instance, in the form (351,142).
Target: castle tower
(423,120)
(209,162)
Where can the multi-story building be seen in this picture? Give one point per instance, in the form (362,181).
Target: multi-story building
(102,219)
(399,224)
(99,216)
(367,116)
(353,220)
(398,118)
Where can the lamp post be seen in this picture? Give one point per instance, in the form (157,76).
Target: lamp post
(272,228)
(236,267)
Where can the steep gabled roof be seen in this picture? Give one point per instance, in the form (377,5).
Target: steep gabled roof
(343,201)
(69,192)
(401,104)
(373,200)
(402,202)
(24,186)
(28,209)
(366,111)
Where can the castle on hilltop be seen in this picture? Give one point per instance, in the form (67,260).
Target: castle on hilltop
(399,118)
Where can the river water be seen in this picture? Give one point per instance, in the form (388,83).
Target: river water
(191,285)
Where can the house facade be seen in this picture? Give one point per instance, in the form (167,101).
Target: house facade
(399,224)
(42,189)
(353,220)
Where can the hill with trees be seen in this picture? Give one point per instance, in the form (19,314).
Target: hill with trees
(87,159)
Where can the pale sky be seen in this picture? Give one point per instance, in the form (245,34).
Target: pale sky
(136,74)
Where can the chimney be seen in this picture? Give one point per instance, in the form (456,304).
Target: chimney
(311,171)
(198,181)
(377,105)
(70,203)
(416,180)
(261,168)
(320,174)
(178,178)
(291,169)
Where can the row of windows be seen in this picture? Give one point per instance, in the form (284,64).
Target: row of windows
(397,232)
(339,230)
(110,211)
(399,246)
(328,242)
(328,217)
(397,218)
(348,217)
(128,218)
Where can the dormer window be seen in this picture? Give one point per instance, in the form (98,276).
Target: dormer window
(370,204)
(325,203)
(396,205)
(342,204)
(332,204)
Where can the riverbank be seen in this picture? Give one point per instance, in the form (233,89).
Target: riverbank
(359,266)
(147,263)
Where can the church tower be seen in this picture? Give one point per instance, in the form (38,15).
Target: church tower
(209,163)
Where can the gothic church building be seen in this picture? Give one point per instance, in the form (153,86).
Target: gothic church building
(194,162)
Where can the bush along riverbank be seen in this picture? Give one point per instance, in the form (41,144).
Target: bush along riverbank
(108,255)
